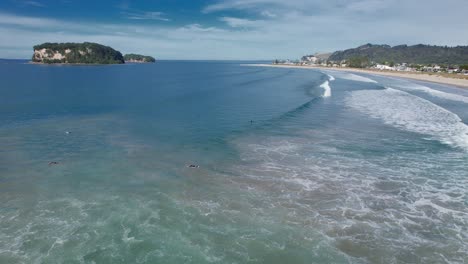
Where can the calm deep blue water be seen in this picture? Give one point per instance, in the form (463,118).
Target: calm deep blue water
(296,166)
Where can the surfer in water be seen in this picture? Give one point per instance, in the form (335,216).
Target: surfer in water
(53,163)
(193,166)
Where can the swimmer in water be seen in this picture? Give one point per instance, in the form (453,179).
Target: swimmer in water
(193,166)
(53,163)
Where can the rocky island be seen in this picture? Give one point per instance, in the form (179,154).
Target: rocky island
(76,53)
(137,58)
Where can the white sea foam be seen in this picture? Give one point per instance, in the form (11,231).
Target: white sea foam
(348,197)
(348,76)
(433,92)
(330,78)
(412,113)
(126,238)
(326,88)
(358,78)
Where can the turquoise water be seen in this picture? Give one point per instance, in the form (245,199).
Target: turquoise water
(296,166)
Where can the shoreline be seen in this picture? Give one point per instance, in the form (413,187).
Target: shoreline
(459,83)
(86,64)
(67,63)
(140,62)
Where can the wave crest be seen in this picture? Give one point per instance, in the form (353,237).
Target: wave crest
(327,89)
(409,112)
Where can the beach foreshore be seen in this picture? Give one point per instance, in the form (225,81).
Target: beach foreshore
(462,83)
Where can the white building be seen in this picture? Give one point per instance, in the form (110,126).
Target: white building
(384,67)
(311,59)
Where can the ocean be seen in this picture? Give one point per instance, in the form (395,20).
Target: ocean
(295,165)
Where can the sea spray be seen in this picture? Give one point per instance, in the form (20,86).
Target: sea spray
(327,89)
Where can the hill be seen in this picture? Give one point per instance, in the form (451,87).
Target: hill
(418,54)
(79,53)
(138,58)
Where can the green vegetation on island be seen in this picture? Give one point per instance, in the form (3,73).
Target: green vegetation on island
(417,54)
(138,58)
(76,53)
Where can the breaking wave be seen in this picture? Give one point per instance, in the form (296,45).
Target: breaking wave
(358,78)
(411,113)
(433,92)
(327,89)
(372,208)
(349,76)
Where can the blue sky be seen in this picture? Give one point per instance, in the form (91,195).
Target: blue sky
(230,29)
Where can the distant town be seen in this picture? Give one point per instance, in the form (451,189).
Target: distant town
(402,58)
(313,60)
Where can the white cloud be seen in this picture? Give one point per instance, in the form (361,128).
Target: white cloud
(369,5)
(134,14)
(261,5)
(139,15)
(297,27)
(267,13)
(8,19)
(29,3)
(265,7)
(240,22)
(223,5)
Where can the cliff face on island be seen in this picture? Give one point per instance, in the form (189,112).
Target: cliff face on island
(137,58)
(76,53)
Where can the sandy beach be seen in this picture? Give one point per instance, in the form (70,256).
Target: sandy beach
(462,83)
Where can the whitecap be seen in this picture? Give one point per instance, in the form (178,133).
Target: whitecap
(327,89)
(411,113)
(358,78)
(349,76)
(433,92)
(343,194)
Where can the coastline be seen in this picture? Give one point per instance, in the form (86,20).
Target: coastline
(71,64)
(460,83)
(138,62)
